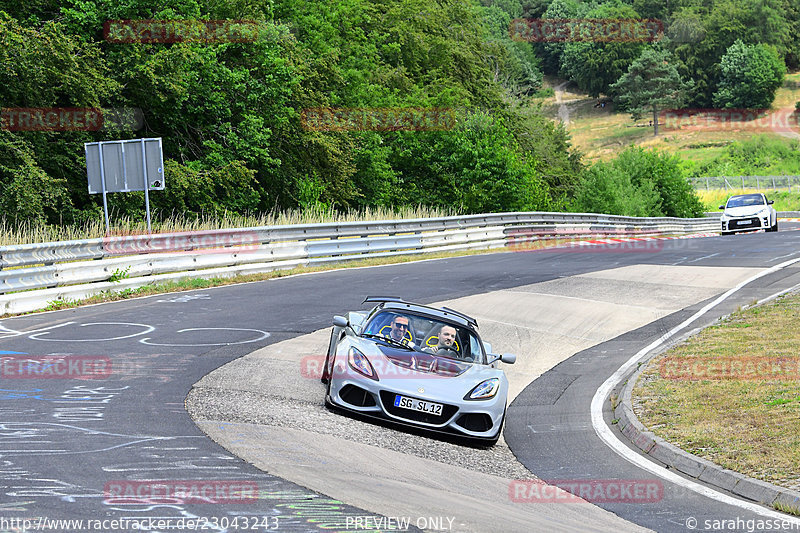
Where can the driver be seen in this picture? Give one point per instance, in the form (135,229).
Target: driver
(447,338)
(399,331)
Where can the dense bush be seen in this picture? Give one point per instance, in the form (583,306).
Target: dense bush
(639,183)
(481,169)
(760,156)
(606,190)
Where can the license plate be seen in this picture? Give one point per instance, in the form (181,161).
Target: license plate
(742,222)
(413,404)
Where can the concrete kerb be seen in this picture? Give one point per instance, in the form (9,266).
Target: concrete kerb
(695,467)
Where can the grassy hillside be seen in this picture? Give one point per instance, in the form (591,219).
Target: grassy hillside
(601,133)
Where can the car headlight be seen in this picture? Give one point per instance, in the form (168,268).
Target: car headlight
(484,390)
(724,217)
(359,362)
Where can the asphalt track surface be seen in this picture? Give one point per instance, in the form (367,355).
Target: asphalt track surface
(66,443)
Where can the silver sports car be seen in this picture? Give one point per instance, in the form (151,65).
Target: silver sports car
(417,365)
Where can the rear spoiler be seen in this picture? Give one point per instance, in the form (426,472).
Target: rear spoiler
(383,299)
(397,299)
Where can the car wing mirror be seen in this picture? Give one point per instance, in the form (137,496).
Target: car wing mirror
(340,321)
(722,207)
(508,358)
(770,202)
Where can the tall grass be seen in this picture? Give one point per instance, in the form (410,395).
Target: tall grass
(29,232)
(784,200)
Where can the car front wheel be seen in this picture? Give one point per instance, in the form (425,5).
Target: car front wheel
(326,373)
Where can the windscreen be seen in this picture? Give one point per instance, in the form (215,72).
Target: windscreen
(425,335)
(745,200)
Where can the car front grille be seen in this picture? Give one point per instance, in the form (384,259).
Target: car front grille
(742,223)
(388,403)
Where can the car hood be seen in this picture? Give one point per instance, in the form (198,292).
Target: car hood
(423,363)
(744,211)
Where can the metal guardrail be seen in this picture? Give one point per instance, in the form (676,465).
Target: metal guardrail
(87,266)
(781,214)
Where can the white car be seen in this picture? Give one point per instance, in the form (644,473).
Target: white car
(748,212)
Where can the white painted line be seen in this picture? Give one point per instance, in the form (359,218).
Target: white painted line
(608,437)
(263,336)
(147,329)
(14,333)
(782,256)
(703,257)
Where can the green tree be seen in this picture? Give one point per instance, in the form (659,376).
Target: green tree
(551,51)
(701,32)
(749,76)
(594,65)
(651,84)
(478,168)
(27,193)
(548,142)
(518,69)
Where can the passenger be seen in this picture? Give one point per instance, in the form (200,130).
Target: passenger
(446,344)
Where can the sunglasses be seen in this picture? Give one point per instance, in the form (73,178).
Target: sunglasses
(404,326)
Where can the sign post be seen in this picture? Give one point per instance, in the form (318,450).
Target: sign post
(109,164)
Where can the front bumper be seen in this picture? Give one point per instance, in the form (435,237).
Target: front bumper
(479,419)
(750,223)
